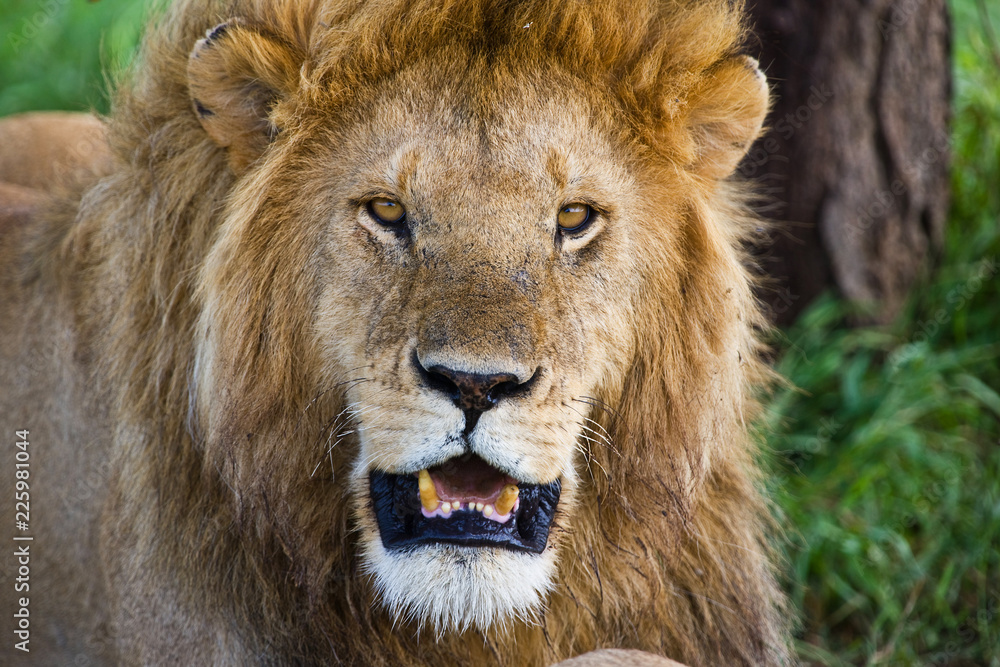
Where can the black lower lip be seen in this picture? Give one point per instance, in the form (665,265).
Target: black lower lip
(401,524)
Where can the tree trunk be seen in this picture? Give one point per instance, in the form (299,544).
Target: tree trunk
(856,158)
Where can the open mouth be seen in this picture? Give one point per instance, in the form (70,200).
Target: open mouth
(463,501)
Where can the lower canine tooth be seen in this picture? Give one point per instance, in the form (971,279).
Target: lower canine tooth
(428,494)
(508,496)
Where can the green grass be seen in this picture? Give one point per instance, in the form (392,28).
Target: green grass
(887,453)
(53,52)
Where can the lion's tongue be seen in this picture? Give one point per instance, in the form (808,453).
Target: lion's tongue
(469,479)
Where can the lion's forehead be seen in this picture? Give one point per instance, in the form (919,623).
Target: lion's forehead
(493,150)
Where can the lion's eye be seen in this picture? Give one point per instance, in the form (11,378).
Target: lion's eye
(574,217)
(387,211)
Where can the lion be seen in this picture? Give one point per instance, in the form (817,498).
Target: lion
(398,333)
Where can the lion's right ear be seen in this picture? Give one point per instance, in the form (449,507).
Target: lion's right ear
(727,114)
(235,76)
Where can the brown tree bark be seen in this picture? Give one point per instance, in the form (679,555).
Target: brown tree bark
(856,157)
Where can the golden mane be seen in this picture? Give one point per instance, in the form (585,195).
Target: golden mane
(672,557)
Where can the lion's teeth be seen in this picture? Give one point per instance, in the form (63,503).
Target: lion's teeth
(428,494)
(434,506)
(508,496)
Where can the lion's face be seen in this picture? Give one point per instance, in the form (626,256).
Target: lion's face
(479,275)
(461,258)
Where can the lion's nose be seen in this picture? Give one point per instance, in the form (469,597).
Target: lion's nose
(473,393)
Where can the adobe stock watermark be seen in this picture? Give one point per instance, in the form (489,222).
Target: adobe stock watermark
(957,298)
(980,624)
(893,542)
(900,13)
(784,299)
(828,427)
(32,26)
(78,157)
(883,201)
(785,127)
(928,499)
(22,540)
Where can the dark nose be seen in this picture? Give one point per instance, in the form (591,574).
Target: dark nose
(473,393)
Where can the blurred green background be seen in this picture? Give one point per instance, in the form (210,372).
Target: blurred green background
(885,454)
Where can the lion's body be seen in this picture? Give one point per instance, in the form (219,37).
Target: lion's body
(201,345)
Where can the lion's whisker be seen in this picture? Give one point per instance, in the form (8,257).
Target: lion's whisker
(352,383)
(622,435)
(603,439)
(364,410)
(594,459)
(586,418)
(599,404)
(349,412)
(589,458)
(333,473)
(598,425)
(718,541)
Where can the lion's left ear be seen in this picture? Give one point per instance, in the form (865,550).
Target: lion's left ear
(235,76)
(727,113)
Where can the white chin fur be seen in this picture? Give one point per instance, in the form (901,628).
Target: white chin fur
(452,588)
